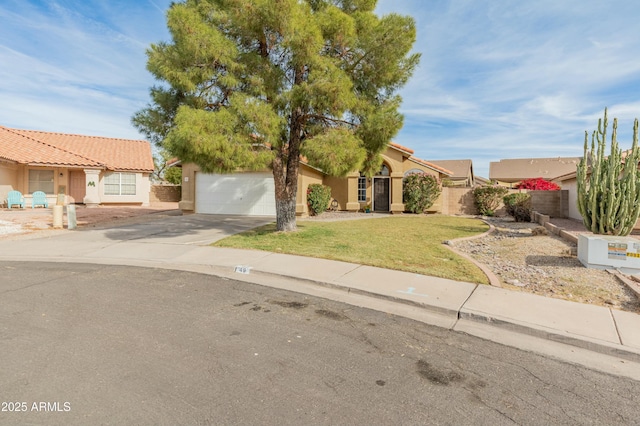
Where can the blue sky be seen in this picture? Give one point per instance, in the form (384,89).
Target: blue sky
(498,78)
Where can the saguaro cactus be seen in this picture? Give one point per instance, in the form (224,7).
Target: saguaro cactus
(608,187)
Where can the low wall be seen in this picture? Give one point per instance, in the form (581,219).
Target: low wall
(165,193)
(551,203)
(459,201)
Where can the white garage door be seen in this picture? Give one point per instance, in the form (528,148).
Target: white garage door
(250,194)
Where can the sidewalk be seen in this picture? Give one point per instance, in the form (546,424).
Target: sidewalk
(519,319)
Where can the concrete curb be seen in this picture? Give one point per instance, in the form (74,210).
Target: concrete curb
(493,279)
(593,345)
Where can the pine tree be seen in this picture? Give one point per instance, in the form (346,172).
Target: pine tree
(255,84)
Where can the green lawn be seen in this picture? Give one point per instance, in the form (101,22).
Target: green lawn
(405,243)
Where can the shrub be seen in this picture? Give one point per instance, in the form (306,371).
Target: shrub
(519,206)
(538,184)
(419,192)
(173,175)
(318,197)
(487,198)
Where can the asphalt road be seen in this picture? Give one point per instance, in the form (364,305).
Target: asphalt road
(89,344)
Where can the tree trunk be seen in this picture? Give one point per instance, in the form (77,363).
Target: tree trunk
(286,166)
(285,177)
(286,187)
(286,215)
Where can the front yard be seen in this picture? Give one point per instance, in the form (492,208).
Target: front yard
(405,243)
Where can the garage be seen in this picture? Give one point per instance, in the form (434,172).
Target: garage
(249,194)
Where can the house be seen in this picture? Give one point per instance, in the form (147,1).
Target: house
(462,172)
(84,169)
(510,172)
(254,194)
(480,181)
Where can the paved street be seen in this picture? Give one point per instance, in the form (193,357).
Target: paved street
(93,344)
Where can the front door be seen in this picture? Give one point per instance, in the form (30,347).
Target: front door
(77,186)
(381,194)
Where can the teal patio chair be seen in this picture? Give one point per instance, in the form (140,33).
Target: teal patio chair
(15,198)
(39,199)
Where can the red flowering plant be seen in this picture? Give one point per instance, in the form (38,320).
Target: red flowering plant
(538,184)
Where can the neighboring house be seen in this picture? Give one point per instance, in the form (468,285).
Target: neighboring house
(462,172)
(510,172)
(254,194)
(85,169)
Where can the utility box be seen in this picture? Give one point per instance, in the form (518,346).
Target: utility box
(609,252)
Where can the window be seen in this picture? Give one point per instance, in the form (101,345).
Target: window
(120,184)
(413,172)
(362,188)
(41,180)
(384,170)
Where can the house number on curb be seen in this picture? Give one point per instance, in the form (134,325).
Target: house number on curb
(242,269)
(411,292)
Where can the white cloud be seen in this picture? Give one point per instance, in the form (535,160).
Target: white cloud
(503,79)
(498,78)
(76,66)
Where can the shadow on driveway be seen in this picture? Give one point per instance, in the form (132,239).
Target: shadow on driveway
(185,229)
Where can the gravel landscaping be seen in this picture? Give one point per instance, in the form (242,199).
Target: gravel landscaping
(526,258)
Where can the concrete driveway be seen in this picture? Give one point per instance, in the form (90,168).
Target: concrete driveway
(164,223)
(196,229)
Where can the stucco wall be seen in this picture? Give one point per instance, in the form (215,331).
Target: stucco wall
(188,201)
(8,179)
(571,186)
(457,201)
(306,177)
(339,188)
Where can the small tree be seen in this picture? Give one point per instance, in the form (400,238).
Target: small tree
(318,197)
(487,198)
(419,192)
(608,187)
(538,184)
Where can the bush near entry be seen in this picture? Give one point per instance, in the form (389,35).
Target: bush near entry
(318,197)
(419,192)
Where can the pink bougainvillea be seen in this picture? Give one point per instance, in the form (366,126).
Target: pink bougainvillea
(538,184)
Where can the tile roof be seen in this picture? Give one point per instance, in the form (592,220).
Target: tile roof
(68,150)
(409,151)
(459,168)
(432,166)
(410,156)
(401,148)
(514,170)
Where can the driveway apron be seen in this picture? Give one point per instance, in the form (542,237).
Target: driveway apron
(141,239)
